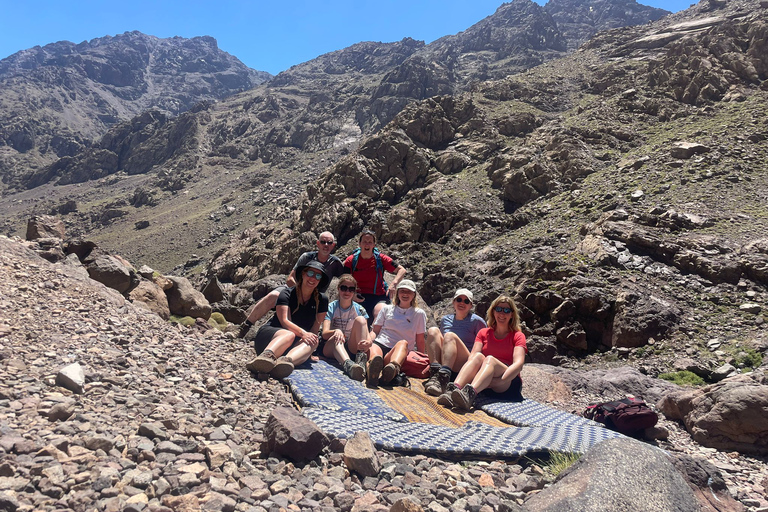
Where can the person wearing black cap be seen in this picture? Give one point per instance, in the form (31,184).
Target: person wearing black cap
(290,336)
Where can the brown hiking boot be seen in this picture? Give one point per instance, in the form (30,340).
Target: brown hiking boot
(445,399)
(354,371)
(283,368)
(389,372)
(263,363)
(374,371)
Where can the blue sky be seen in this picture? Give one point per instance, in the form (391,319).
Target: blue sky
(265,35)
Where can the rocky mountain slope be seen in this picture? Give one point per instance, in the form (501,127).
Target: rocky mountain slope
(618,193)
(57,99)
(215,171)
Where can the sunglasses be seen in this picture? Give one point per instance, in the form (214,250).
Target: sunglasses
(326,242)
(500,309)
(314,275)
(344,288)
(465,301)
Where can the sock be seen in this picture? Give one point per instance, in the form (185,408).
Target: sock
(445,369)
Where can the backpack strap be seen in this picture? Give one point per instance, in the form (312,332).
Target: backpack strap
(379,271)
(355,257)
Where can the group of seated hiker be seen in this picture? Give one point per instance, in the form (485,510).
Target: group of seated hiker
(482,356)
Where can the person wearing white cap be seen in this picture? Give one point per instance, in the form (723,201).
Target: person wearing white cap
(398,329)
(449,346)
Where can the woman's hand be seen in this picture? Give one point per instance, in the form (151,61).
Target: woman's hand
(337,337)
(364,345)
(309,338)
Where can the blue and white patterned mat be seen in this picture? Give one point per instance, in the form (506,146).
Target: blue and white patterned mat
(341,407)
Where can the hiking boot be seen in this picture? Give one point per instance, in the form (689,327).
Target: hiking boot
(389,372)
(353,370)
(361,358)
(437,383)
(445,399)
(263,363)
(464,398)
(374,371)
(283,368)
(245,327)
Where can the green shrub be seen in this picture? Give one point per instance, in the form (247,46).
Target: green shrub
(219,318)
(186,321)
(748,358)
(560,461)
(683,378)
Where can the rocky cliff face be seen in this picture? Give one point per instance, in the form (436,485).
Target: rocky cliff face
(276,137)
(56,99)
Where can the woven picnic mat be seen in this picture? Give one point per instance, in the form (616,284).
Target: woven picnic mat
(419,407)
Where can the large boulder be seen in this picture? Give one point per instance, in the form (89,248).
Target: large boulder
(45,226)
(640,317)
(614,383)
(152,296)
(707,483)
(729,415)
(184,300)
(618,474)
(111,271)
(290,434)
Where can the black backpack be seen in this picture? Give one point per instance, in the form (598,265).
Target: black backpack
(630,415)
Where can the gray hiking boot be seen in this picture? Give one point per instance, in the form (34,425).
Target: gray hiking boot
(374,371)
(445,399)
(283,368)
(464,398)
(353,370)
(361,358)
(263,363)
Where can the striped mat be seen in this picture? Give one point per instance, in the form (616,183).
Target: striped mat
(406,420)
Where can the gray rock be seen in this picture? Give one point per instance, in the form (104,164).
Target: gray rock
(723,372)
(288,433)
(360,455)
(184,300)
(685,150)
(751,307)
(707,483)
(152,296)
(618,474)
(45,226)
(111,272)
(730,415)
(71,377)
(153,431)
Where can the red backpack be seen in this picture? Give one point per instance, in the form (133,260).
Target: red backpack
(630,415)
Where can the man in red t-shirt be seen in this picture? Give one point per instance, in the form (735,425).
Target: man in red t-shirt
(370,274)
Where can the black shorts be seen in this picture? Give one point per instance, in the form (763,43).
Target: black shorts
(369,303)
(514,392)
(384,350)
(265,335)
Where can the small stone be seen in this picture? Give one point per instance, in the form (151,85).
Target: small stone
(71,377)
(406,505)
(153,431)
(751,307)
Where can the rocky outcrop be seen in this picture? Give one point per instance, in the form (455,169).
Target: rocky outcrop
(45,226)
(152,296)
(730,415)
(627,474)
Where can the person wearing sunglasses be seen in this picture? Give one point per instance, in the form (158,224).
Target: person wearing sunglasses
(346,322)
(333,266)
(448,346)
(398,329)
(289,337)
(495,362)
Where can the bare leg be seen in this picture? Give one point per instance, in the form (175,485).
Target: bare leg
(490,372)
(358,334)
(397,354)
(434,344)
(300,353)
(470,369)
(378,308)
(266,303)
(455,353)
(336,350)
(281,341)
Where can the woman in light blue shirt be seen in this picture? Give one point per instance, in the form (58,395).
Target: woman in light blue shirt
(449,346)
